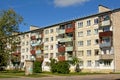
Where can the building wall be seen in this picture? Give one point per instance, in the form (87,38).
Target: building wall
(25,47)
(116,39)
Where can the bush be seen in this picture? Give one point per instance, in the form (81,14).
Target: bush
(63,67)
(37,67)
(59,67)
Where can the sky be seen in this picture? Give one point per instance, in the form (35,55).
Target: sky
(44,13)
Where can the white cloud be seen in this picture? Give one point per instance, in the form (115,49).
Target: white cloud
(65,3)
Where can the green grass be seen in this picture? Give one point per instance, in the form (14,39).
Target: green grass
(18,74)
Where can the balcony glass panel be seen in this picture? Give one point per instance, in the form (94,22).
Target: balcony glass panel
(106,44)
(61,31)
(70,48)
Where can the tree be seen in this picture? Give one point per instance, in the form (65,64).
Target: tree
(9,23)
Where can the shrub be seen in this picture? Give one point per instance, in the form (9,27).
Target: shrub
(63,67)
(37,67)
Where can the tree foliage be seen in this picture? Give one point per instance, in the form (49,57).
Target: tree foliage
(9,23)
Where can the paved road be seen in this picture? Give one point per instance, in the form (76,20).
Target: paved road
(87,77)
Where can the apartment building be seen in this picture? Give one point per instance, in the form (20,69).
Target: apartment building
(93,39)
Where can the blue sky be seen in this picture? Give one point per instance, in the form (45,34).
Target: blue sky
(47,12)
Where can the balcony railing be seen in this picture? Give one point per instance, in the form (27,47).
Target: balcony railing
(70,48)
(107,44)
(105,23)
(61,31)
(68,39)
(33,52)
(33,37)
(106,56)
(61,58)
(105,34)
(61,49)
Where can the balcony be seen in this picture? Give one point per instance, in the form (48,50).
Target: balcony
(33,52)
(38,51)
(105,23)
(33,38)
(70,48)
(66,39)
(61,49)
(105,34)
(106,44)
(106,56)
(61,58)
(16,53)
(69,30)
(61,31)
(35,44)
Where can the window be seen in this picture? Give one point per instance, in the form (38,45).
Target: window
(68,25)
(23,43)
(51,55)
(80,24)
(46,31)
(57,29)
(96,21)
(88,23)
(89,63)
(57,38)
(27,49)
(106,28)
(51,38)
(80,53)
(23,50)
(27,36)
(51,47)
(26,56)
(22,56)
(95,31)
(96,52)
(88,42)
(46,55)
(46,47)
(46,39)
(80,34)
(88,52)
(27,43)
(81,63)
(88,32)
(23,36)
(96,63)
(80,43)
(107,63)
(51,30)
(96,41)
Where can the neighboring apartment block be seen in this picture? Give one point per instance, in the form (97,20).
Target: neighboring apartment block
(93,39)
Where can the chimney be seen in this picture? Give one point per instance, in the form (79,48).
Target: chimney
(103,8)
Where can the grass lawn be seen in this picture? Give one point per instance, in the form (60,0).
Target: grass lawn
(16,74)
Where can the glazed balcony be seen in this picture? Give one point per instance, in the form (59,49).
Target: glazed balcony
(61,49)
(38,51)
(106,56)
(106,44)
(105,34)
(33,52)
(105,23)
(70,48)
(61,31)
(61,58)
(36,44)
(68,39)
(33,37)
